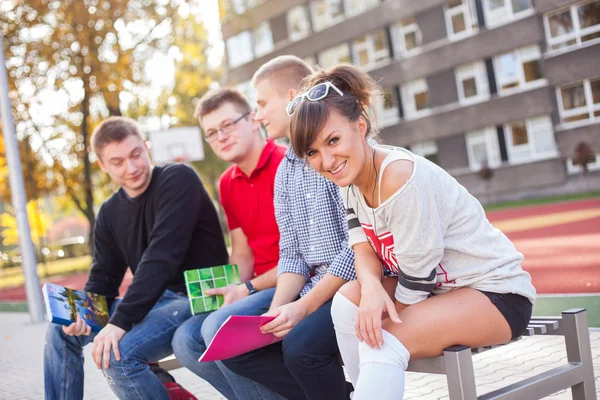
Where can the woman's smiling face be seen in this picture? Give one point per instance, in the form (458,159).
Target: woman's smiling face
(338,150)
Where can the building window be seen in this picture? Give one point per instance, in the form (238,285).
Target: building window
(530,140)
(263,39)
(498,12)
(518,69)
(415,97)
(247,89)
(371,50)
(298,23)
(472,83)
(386,107)
(580,101)
(311,61)
(406,38)
(326,13)
(241,6)
(574,26)
(355,7)
(483,149)
(239,49)
(461,19)
(335,55)
(427,149)
(593,165)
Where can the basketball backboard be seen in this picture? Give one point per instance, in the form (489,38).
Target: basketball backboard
(182,144)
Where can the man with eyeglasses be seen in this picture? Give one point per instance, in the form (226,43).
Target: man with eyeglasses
(246,194)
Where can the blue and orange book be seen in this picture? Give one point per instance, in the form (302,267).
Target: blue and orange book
(64,304)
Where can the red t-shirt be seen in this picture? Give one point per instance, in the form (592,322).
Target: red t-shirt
(248,204)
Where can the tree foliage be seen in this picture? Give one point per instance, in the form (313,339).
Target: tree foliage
(72,63)
(39,223)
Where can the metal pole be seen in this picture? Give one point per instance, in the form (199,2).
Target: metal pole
(19,199)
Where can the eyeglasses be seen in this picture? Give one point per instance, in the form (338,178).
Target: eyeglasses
(316,93)
(226,128)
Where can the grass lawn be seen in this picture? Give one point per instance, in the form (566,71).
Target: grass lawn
(554,305)
(14,276)
(540,201)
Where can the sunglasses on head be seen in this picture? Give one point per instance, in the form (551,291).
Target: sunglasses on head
(316,93)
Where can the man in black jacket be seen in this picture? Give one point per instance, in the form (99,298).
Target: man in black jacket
(160,223)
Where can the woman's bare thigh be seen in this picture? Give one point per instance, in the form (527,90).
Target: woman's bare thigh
(463,316)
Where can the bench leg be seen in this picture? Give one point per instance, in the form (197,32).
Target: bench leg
(459,373)
(577,339)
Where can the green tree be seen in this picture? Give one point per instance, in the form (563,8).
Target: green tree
(39,223)
(72,63)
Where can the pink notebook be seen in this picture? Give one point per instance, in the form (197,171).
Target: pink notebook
(239,334)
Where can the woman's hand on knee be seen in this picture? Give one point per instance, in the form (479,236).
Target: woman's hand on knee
(373,303)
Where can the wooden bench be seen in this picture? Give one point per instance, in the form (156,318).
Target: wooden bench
(457,364)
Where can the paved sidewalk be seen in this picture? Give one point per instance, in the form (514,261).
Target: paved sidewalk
(21,367)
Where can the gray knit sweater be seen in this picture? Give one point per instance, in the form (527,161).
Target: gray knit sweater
(435,236)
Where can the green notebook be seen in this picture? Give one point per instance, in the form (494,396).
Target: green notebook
(197,281)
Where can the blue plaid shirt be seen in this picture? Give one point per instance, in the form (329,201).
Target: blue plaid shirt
(312,224)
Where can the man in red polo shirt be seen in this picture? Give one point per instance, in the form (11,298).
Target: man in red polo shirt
(246,193)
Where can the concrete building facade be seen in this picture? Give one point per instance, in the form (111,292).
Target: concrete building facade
(512,84)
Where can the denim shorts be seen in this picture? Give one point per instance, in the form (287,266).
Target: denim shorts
(515,308)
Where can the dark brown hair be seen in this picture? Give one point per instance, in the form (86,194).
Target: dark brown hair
(214,99)
(113,130)
(311,116)
(287,72)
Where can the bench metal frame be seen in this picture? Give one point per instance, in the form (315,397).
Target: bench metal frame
(577,374)
(457,364)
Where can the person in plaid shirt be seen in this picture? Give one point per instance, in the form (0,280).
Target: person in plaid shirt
(314,260)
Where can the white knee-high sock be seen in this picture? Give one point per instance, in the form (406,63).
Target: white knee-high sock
(343,314)
(382,370)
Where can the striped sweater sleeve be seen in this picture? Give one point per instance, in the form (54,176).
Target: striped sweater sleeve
(355,232)
(419,244)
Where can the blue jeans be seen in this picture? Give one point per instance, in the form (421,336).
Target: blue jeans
(190,339)
(129,378)
(305,365)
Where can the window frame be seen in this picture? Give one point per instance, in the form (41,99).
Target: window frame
(466,8)
(521,60)
(577,33)
(369,46)
(391,116)
(489,137)
(343,44)
(408,99)
(492,21)
(306,14)
(425,148)
(479,72)
(237,40)
(327,21)
(590,107)
(255,33)
(368,5)
(514,158)
(398,31)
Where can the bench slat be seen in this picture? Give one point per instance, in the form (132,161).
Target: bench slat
(546,318)
(550,324)
(538,329)
(529,332)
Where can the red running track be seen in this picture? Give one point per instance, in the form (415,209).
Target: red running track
(562,258)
